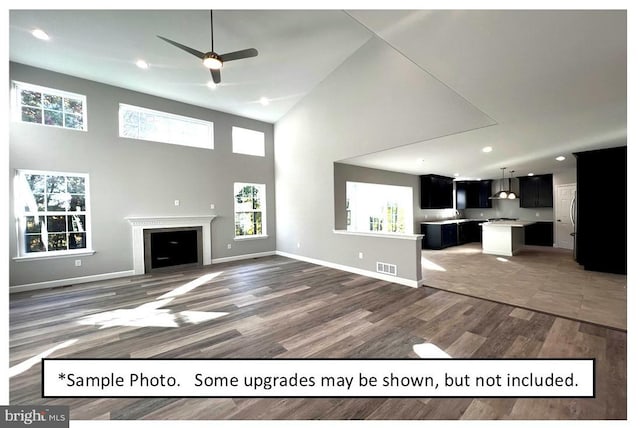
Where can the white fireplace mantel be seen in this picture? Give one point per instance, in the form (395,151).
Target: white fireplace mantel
(139,224)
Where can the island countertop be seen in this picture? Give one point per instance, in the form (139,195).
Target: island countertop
(507,223)
(453,221)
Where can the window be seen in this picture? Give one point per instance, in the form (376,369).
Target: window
(143,124)
(250,210)
(51,107)
(379,208)
(52,209)
(247,141)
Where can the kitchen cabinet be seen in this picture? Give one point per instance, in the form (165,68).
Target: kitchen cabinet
(436,191)
(469,231)
(539,233)
(536,191)
(439,236)
(601,245)
(473,194)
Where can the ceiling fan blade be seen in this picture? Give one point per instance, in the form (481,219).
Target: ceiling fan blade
(215,75)
(245,53)
(184,48)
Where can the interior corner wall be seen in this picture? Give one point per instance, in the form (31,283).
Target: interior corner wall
(135,178)
(375,100)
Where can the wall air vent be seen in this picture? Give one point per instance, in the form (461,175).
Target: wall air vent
(386,268)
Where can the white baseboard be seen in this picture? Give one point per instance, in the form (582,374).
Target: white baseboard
(69,281)
(363,272)
(243,257)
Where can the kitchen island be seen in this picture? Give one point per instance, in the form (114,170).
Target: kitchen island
(503,237)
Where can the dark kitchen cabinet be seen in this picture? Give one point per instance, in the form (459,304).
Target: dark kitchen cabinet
(469,231)
(539,233)
(536,191)
(473,194)
(439,236)
(436,191)
(601,182)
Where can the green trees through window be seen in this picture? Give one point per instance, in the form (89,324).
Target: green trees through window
(249,207)
(51,107)
(53,211)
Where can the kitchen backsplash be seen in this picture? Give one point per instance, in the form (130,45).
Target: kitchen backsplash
(510,209)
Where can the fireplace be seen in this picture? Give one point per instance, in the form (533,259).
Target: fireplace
(170,247)
(146,226)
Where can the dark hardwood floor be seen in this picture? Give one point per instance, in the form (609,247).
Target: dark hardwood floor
(279,307)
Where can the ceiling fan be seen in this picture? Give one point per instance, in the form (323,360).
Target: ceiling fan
(212,60)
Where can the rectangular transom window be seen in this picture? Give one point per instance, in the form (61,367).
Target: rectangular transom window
(50,107)
(379,208)
(144,124)
(247,141)
(52,209)
(250,210)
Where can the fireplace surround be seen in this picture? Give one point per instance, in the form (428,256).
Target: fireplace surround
(140,224)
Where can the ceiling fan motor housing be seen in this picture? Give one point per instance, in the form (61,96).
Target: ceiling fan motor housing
(212,61)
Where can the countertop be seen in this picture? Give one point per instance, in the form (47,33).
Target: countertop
(453,221)
(508,223)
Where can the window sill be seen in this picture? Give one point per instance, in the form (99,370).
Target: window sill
(408,236)
(250,237)
(46,256)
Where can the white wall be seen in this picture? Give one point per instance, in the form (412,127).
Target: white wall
(376,99)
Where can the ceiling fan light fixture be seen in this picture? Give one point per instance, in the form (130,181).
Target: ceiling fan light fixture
(212,61)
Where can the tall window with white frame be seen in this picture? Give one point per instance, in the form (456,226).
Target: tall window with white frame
(50,107)
(52,211)
(250,210)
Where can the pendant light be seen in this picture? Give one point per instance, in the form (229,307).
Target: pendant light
(511,195)
(501,194)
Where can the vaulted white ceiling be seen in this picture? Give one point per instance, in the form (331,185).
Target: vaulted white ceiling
(547,82)
(297,50)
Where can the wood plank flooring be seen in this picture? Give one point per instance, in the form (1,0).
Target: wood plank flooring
(540,278)
(279,307)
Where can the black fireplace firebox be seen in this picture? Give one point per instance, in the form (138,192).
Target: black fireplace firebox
(165,248)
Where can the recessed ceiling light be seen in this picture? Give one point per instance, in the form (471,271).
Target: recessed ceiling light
(560,158)
(530,174)
(264,101)
(487,149)
(142,64)
(456,174)
(211,84)
(39,34)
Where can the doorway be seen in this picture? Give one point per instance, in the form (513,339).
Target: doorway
(564,224)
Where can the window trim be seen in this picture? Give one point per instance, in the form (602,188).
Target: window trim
(16,107)
(263,211)
(209,124)
(233,142)
(20,214)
